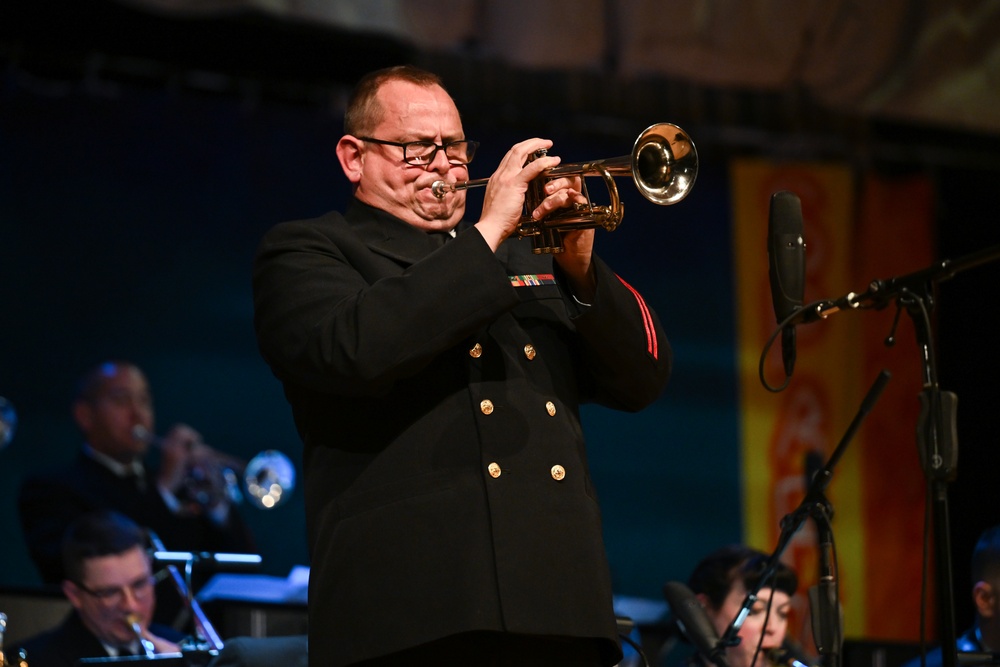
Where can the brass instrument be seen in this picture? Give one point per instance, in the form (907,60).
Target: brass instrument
(268,478)
(147,646)
(663,165)
(20,660)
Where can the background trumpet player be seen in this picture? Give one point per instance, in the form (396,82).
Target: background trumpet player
(435,372)
(113,408)
(109,582)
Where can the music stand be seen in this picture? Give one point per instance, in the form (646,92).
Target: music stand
(181,659)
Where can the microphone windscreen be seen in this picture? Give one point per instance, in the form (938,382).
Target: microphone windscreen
(694,621)
(786,254)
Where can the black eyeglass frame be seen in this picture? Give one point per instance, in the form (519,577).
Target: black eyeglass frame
(420,159)
(112,596)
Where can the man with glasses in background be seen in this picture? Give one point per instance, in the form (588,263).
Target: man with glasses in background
(435,372)
(110,584)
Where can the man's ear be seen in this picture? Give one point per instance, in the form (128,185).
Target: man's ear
(350,152)
(83,415)
(983,595)
(72,593)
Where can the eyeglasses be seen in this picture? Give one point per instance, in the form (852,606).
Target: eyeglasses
(140,589)
(124,398)
(423,152)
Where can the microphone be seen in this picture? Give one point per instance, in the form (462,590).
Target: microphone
(786,254)
(694,622)
(789,654)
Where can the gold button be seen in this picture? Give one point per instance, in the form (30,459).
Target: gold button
(476,351)
(558,473)
(529,351)
(550,407)
(494,469)
(487,407)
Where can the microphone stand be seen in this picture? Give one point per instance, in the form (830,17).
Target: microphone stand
(937,439)
(827,630)
(204,630)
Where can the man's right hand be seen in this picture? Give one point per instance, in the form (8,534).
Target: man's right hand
(179,447)
(503,202)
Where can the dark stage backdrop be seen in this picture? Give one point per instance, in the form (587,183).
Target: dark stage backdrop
(129,220)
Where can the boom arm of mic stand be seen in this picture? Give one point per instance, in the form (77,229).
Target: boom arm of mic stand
(881,292)
(204,630)
(814,501)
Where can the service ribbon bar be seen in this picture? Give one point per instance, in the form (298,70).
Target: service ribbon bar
(532,279)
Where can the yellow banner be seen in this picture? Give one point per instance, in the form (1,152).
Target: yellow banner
(787,434)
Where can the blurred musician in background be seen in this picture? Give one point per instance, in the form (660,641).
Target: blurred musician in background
(109,582)
(113,408)
(721,582)
(984,635)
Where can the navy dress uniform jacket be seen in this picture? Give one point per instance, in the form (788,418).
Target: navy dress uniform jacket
(70,641)
(446,480)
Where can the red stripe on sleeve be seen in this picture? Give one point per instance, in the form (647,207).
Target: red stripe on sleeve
(647,320)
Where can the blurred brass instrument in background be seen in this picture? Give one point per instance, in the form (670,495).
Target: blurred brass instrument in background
(147,646)
(663,165)
(267,479)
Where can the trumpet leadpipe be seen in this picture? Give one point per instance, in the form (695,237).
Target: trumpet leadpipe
(221,459)
(441,188)
(147,646)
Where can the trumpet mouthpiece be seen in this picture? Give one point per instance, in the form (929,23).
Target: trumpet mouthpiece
(439,188)
(142,434)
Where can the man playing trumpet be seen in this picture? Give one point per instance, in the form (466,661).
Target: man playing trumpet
(109,582)
(113,408)
(435,371)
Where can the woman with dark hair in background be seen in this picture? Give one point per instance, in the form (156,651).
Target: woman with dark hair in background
(721,582)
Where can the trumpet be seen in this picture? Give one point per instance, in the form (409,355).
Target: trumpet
(663,165)
(268,478)
(147,646)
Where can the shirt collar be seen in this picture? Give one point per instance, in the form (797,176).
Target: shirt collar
(128,649)
(118,468)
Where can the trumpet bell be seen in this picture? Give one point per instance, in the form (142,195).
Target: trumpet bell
(269,478)
(664,164)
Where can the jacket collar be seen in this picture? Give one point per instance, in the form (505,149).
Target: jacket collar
(388,235)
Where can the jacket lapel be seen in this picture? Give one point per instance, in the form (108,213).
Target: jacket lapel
(389,236)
